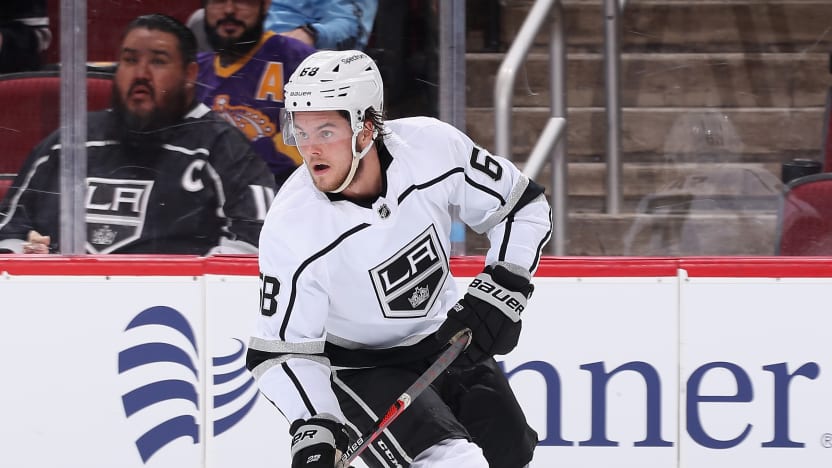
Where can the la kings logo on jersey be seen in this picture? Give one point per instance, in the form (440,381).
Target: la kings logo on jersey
(116,211)
(408,283)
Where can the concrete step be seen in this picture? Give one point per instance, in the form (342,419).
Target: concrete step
(594,234)
(716,95)
(684,26)
(669,134)
(672,234)
(664,80)
(686,187)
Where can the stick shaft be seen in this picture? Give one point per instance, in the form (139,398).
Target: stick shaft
(457,344)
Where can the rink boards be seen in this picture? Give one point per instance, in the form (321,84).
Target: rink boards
(623,362)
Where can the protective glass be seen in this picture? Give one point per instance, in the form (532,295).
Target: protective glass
(308,129)
(286,128)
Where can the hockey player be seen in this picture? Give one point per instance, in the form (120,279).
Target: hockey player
(357,295)
(165,174)
(242,80)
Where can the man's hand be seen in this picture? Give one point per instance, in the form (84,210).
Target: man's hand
(318,442)
(300,34)
(36,243)
(491,309)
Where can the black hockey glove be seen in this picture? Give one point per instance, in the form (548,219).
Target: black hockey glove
(491,309)
(318,442)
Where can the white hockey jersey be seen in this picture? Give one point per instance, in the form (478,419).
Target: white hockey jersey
(376,275)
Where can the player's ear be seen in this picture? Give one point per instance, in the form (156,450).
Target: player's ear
(367,132)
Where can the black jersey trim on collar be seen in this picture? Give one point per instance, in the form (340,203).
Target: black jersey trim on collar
(303,266)
(384,160)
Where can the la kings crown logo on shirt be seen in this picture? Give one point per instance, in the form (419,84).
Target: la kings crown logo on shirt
(116,211)
(408,283)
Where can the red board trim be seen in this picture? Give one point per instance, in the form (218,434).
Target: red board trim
(246,265)
(102,265)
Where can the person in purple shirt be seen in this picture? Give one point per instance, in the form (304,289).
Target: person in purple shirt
(242,79)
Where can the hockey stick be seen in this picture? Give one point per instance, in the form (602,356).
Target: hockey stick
(457,345)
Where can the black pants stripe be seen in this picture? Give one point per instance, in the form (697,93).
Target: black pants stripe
(394,454)
(475,404)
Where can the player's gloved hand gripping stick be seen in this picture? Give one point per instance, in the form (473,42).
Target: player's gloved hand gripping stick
(458,343)
(491,309)
(318,442)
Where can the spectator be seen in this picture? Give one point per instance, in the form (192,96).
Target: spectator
(24,34)
(325,24)
(242,80)
(165,174)
(196,23)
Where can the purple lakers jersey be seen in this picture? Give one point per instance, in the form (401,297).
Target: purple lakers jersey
(249,94)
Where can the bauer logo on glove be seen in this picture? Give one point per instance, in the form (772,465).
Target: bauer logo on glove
(308,434)
(491,309)
(318,442)
(510,303)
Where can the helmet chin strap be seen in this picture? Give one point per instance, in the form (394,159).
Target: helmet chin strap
(356,158)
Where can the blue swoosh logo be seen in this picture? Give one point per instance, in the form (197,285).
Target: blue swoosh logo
(237,360)
(228,371)
(141,398)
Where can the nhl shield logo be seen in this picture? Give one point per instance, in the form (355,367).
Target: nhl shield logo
(408,283)
(116,210)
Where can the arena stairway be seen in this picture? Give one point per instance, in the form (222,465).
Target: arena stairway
(716,95)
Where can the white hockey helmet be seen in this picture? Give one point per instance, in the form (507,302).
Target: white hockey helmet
(336,80)
(345,80)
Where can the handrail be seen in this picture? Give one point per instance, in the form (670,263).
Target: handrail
(612,92)
(73,110)
(550,137)
(452,79)
(553,139)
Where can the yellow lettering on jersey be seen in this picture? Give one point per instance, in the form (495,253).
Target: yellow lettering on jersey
(271,83)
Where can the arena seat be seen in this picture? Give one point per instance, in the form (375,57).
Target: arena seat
(827,132)
(5,183)
(31,111)
(106,21)
(804,217)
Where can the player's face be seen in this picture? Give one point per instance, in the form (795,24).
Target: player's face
(151,77)
(324,139)
(229,21)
